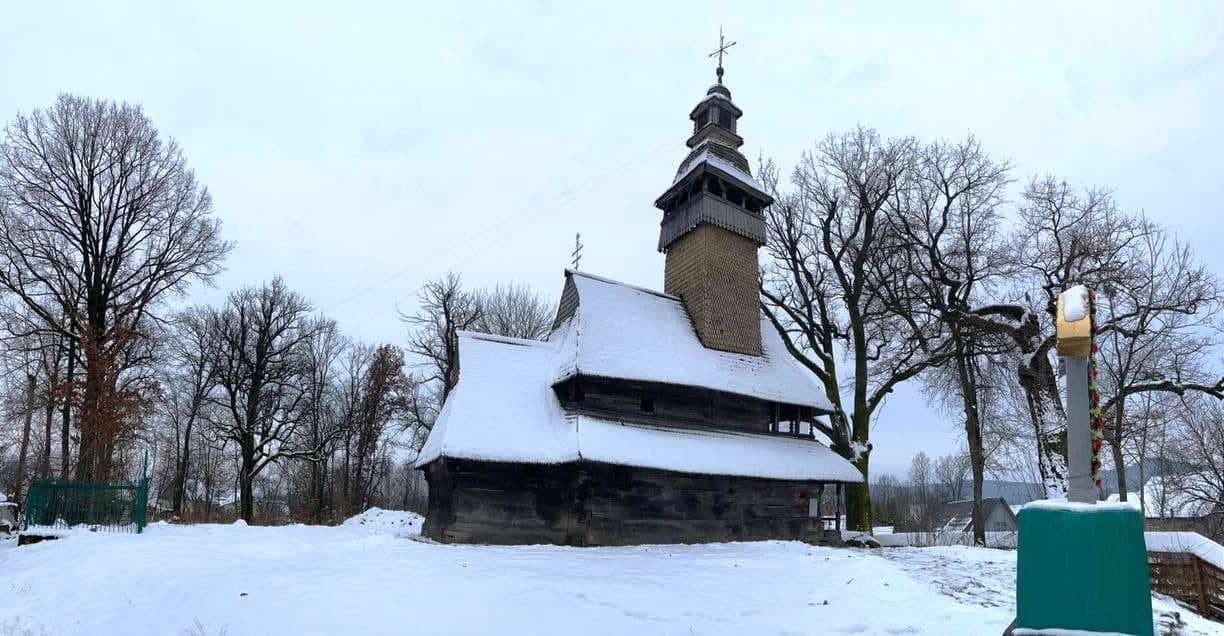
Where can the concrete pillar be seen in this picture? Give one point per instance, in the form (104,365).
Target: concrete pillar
(1080,487)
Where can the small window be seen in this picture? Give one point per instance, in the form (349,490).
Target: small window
(647,403)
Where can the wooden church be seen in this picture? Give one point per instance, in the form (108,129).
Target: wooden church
(646,417)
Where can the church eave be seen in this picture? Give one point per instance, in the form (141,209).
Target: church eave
(703,167)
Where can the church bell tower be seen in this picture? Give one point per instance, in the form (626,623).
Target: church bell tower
(713,224)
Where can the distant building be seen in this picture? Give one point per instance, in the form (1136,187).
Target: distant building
(996,515)
(645,417)
(8,515)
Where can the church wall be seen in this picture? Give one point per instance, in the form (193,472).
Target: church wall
(600,504)
(670,405)
(628,505)
(673,406)
(500,503)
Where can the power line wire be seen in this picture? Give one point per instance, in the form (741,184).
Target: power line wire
(554,199)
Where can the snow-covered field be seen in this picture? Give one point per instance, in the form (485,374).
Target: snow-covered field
(371,576)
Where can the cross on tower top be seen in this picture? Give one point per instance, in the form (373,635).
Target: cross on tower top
(723,45)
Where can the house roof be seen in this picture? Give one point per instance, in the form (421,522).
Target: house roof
(958,515)
(626,332)
(503,409)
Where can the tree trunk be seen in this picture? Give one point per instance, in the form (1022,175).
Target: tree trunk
(1115,446)
(246,497)
(208,484)
(66,414)
(1045,411)
(345,478)
(858,496)
(44,464)
(28,421)
(90,449)
(180,472)
(973,429)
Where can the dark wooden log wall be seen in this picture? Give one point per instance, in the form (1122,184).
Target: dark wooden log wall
(599,504)
(677,406)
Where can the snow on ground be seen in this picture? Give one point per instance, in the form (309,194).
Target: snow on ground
(371,575)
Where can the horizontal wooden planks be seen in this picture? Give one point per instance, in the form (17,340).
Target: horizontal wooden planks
(600,504)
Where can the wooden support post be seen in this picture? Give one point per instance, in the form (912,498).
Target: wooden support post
(837,507)
(1201,586)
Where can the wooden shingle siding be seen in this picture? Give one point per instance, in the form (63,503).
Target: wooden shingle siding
(716,274)
(568,304)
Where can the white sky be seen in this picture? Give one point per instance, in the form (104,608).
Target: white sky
(359,149)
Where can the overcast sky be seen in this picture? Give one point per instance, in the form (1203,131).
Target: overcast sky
(358,149)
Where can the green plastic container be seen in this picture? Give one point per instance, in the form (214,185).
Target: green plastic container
(1083,566)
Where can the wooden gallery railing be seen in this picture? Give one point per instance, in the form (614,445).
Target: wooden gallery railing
(1188,578)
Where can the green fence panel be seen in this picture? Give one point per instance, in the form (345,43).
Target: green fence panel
(108,506)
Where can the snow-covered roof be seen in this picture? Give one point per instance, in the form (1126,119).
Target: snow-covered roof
(710,452)
(709,157)
(504,409)
(621,331)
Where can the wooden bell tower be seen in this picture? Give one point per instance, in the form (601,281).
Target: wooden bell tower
(713,224)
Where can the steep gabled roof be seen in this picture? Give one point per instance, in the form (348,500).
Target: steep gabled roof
(615,330)
(503,409)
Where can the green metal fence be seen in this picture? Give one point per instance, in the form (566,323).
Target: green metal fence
(115,507)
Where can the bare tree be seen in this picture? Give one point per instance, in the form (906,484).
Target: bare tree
(1201,443)
(1062,238)
(948,220)
(261,361)
(324,422)
(1156,335)
(102,220)
(924,506)
(190,379)
(514,310)
(383,390)
(950,473)
(831,255)
(445,309)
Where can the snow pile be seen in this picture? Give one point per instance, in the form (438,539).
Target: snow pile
(380,521)
(214,579)
(1075,506)
(1191,542)
(1075,303)
(1002,540)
